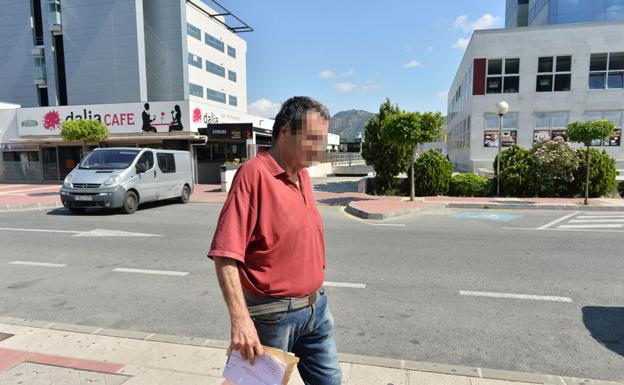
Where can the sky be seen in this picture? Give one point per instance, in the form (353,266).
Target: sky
(352,54)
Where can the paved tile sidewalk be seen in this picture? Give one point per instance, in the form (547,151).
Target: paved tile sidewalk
(42,353)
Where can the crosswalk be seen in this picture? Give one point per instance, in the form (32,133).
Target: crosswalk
(589,221)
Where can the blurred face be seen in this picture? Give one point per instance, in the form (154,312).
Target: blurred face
(309,143)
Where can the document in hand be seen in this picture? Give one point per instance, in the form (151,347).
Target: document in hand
(274,367)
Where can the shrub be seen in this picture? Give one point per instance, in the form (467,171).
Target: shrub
(432,173)
(469,185)
(555,166)
(517,172)
(601,173)
(621,189)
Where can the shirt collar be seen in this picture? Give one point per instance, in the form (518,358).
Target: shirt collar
(270,163)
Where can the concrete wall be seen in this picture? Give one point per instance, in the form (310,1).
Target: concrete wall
(8,129)
(104,51)
(16,61)
(166,49)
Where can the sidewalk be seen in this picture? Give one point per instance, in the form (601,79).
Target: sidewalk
(45,353)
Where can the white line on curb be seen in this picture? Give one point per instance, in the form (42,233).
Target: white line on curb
(557,221)
(45,264)
(156,272)
(610,226)
(345,284)
(514,296)
(610,220)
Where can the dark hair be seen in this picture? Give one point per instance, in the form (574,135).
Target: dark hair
(146,105)
(293,112)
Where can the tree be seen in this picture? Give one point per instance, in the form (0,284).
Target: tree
(408,130)
(586,132)
(85,131)
(387,159)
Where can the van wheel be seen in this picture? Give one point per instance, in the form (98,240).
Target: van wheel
(76,210)
(186,194)
(131,203)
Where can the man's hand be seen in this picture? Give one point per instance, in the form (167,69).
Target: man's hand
(245,339)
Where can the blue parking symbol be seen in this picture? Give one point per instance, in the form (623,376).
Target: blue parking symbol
(487,216)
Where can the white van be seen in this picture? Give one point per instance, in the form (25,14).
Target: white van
(125,177)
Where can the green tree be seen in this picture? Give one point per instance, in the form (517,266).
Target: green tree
(387,159)
(433,172)
(517,172)
(85,131)
(408,130)
(586,132)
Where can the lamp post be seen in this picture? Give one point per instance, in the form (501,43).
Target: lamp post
(501,109)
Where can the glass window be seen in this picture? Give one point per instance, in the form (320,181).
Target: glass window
(214,42)
(499,84)
(193,31)
(215,68)
(542,120)
(232,75)
(544,83)
(491,122)
(194,60)
(597,81)
(614,117)
(510,121)
(233,100)
(564,63)
(512,66)
(598,62)
(111,159)
(166,163)
(616,80)
(495,67)
(231,51)
(511,84)
(215,95)
(545,64)
(559,119)
(616,61)
(147,159)
(562,82)
(494,85)
(196,90)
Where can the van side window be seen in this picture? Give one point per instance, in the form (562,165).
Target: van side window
(166,163)
(148,159)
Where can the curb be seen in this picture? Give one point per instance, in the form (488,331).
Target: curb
(30,206)
(351,209)
(536,206)
(356,359)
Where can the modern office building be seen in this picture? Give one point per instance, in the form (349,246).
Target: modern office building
(522,13)
(158,73)
(549,74)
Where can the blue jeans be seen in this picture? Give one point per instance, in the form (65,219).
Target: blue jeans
(309,334)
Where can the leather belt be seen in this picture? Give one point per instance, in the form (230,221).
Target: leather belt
(269,305)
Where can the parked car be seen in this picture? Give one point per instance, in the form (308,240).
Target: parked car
(120,177)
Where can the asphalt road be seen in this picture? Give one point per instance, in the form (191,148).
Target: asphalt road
(420,273)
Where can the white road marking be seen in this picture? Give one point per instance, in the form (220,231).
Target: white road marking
(600,216)
(389,224)
(557,221)
(602,220)
(53,188)
(45,264)
(345,284)
(610,226)
(514,296)
(604,213)
(559,229)
(156,272)
(113,233)
(39,230)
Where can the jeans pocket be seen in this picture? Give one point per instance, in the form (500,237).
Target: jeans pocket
(272,318)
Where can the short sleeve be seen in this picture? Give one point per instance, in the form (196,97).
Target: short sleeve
(237,220)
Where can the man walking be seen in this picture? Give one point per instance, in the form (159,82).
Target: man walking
(269,249)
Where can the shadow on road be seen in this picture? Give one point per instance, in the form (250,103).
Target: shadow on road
(606,325)
(337,187)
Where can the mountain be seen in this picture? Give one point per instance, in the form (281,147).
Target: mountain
(349,123)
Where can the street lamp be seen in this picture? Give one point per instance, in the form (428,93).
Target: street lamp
(501,109)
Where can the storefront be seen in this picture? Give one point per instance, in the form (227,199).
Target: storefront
(32,149)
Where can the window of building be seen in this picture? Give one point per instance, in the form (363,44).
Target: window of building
(231,51)
(503,76)
(166,163)
(509,133)
(233,100)
(215,68)
(554,74)
(606,71)
(232,75)
(195,60)
(614,117)
(192,30)
(196,90)
(550,125)
(215,95)
(214,42)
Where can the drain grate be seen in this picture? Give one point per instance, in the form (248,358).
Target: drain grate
(4,336)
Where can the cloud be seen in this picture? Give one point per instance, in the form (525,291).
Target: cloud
(350,72)
(263,107)
(484,22)
(461,43)
(369,85)
(326,74)
(412,64)
(443,95)
(345,87)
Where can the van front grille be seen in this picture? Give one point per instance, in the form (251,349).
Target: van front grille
(86,185)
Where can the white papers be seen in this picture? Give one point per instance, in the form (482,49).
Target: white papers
(266,370)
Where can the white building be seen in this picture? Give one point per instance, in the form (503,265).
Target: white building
(550,76)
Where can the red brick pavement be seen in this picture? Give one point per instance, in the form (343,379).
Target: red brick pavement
(10,358)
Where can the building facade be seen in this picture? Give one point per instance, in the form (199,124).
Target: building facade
(158,73)
(550,75)
(522,13)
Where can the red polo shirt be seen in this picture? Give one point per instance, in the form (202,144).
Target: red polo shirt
(272,227)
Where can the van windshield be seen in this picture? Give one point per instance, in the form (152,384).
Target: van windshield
(109,159)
